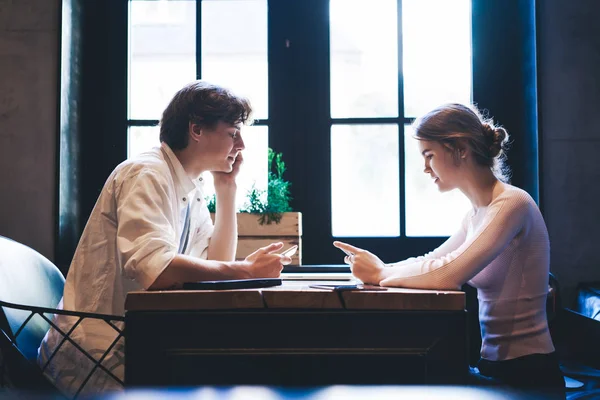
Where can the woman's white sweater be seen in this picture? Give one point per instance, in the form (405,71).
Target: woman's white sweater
(502,250)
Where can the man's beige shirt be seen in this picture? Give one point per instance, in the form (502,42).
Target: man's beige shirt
(131,236)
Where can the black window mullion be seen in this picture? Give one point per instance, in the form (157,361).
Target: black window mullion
(285,133)
(371,120)
(316,87)
(198,39)
(299,115)
(401,133)
(142,122)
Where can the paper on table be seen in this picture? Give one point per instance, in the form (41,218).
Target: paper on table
(318,276)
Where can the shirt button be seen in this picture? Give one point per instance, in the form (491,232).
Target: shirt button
(198,199)
(200,179)
(184,199)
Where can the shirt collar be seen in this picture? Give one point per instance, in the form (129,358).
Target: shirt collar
(184,184)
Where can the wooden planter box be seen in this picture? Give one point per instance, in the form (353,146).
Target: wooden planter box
(252,235)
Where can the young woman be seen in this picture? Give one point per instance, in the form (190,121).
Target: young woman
(501,248)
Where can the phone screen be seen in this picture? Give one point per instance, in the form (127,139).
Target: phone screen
(290,252)
(348,253)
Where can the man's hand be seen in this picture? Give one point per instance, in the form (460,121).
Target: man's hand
(364,265)
(265,263)
(227,179)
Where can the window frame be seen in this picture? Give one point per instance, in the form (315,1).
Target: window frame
(306,144)
(294,48)
(133,122)
(504,81)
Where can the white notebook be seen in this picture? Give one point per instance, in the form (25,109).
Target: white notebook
(318,276)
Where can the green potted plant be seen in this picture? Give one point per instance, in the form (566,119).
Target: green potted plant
(262,222)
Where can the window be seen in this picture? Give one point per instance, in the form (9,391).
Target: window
(234,54)
(436,70)
(335,85)
(435,58)
(163,58)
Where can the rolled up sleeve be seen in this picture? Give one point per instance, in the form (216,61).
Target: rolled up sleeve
(146,229)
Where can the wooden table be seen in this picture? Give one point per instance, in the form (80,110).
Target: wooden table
(294,335)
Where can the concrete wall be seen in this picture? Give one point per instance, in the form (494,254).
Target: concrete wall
(569,106)
(29,51)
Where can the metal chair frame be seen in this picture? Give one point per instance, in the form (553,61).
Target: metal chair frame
(41,311)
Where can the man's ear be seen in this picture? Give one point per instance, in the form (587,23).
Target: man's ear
(195,130)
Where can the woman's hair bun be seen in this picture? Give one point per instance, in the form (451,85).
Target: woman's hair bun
(496,137)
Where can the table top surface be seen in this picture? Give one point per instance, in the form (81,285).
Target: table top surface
(297,293)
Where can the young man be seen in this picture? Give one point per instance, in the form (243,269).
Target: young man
(151,229)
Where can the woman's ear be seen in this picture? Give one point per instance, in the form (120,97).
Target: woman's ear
(462,149)
(460,153)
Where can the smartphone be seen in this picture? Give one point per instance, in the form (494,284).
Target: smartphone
(290,252)
(232,284)
(348,253)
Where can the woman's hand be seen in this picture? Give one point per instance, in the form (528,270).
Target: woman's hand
(364,265)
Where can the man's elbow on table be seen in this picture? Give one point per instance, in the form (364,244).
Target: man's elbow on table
(188,269)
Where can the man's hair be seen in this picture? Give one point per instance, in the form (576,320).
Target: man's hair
(201,103)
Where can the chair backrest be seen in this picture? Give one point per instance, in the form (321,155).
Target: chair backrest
(553,300)
(27,278)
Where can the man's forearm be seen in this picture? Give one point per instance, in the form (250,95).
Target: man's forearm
(190,269)
(223,242)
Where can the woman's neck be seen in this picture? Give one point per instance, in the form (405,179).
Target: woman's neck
(480,187)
